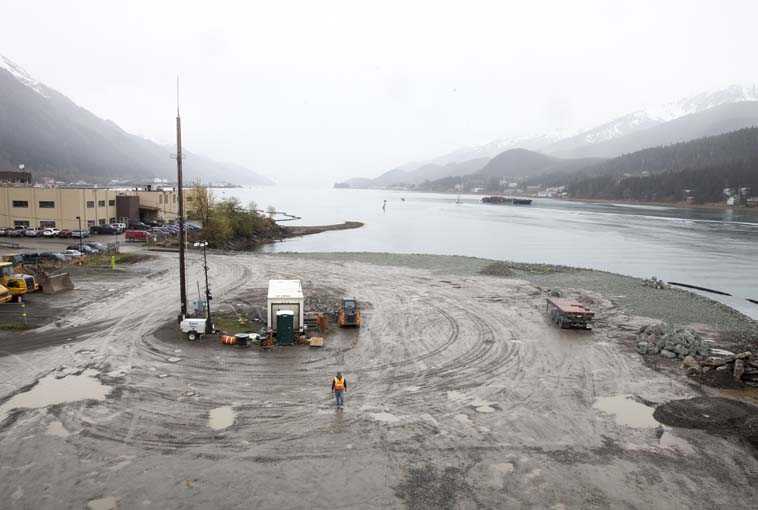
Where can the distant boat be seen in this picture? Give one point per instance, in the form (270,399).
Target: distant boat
(506,200)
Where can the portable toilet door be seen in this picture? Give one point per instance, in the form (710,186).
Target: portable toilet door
(285,327)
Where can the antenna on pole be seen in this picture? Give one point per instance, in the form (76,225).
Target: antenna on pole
(180,197)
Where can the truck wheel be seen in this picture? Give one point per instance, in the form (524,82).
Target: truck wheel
(191,336)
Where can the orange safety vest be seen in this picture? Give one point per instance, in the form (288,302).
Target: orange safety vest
(339,384)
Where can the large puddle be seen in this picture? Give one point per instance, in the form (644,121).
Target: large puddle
(627,411)
(49,391)
(221,417)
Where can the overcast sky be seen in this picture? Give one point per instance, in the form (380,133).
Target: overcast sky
(321,90)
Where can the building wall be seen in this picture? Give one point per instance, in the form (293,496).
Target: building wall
(94,206)
(164,202)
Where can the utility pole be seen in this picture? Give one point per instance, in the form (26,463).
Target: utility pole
(208,320)
(80,234)
(182,233)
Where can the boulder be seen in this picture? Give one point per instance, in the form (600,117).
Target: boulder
(690,362)
(668,354)
(722,368)
(743,355)
(739,369)
(643,347)
(714,361)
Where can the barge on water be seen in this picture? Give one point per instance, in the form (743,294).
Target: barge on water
(496,199)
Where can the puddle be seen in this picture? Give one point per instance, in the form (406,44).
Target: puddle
(56,428)
(107,503)
(385,417)
(504,468)
(670,441)
(750,394)
(627,411)
(463,419)
(49,391)
(221,417)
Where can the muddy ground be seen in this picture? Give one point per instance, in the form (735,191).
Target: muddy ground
(462,395)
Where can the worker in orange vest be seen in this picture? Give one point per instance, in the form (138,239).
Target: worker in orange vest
(339,386)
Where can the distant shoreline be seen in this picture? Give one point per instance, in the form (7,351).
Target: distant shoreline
(720,206)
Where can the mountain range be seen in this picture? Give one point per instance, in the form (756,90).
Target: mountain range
(54,137)
(705,114)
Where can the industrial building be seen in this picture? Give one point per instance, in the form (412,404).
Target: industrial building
(28,206)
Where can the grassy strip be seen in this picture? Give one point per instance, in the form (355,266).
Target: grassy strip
(14,326)
(104,260)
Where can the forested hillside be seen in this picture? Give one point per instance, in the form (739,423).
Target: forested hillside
(706,183)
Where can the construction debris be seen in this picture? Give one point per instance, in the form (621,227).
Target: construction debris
(697,357)
(671,342)
(655,283)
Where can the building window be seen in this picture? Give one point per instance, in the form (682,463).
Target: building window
(46,204)
(111,203)
(101,221)
(113,220)
(160,199)
(20,203)
(90,223)
(20,223)
(101,203)
(90,204)
(46,224)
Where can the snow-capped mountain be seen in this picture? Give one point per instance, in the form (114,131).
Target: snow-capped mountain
(53,137)
(22,76)
(654,116)
(495,147)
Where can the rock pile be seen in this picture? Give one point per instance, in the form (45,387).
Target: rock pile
(655,283)
(671,342)
(742,366)
(697,357)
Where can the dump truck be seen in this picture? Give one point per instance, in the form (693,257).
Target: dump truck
(567,313)
(349,314)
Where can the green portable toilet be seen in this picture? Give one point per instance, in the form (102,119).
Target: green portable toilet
(285,329)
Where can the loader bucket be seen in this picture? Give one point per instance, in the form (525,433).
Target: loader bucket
(52,284)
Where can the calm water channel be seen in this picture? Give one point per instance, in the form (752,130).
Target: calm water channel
(713,249)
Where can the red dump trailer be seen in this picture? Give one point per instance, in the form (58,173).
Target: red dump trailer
(567,313)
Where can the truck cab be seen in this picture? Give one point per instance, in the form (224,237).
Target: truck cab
(17,284)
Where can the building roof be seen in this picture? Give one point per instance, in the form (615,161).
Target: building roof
(280,289)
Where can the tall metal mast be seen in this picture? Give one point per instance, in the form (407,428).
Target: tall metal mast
(180,193)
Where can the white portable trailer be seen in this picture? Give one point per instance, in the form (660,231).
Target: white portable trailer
(285,295)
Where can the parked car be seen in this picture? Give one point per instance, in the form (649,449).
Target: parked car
(118,227)
(65,233)
(121,226)
(138,235)
(79,234)
(17,232)
(50,232)
(75,254)
(3,232)
(138,225)
(84,249)
(97,246)
(32,232)
(31,257)
(103,230)
(50,256)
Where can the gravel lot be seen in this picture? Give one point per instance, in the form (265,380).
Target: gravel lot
(462,395)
